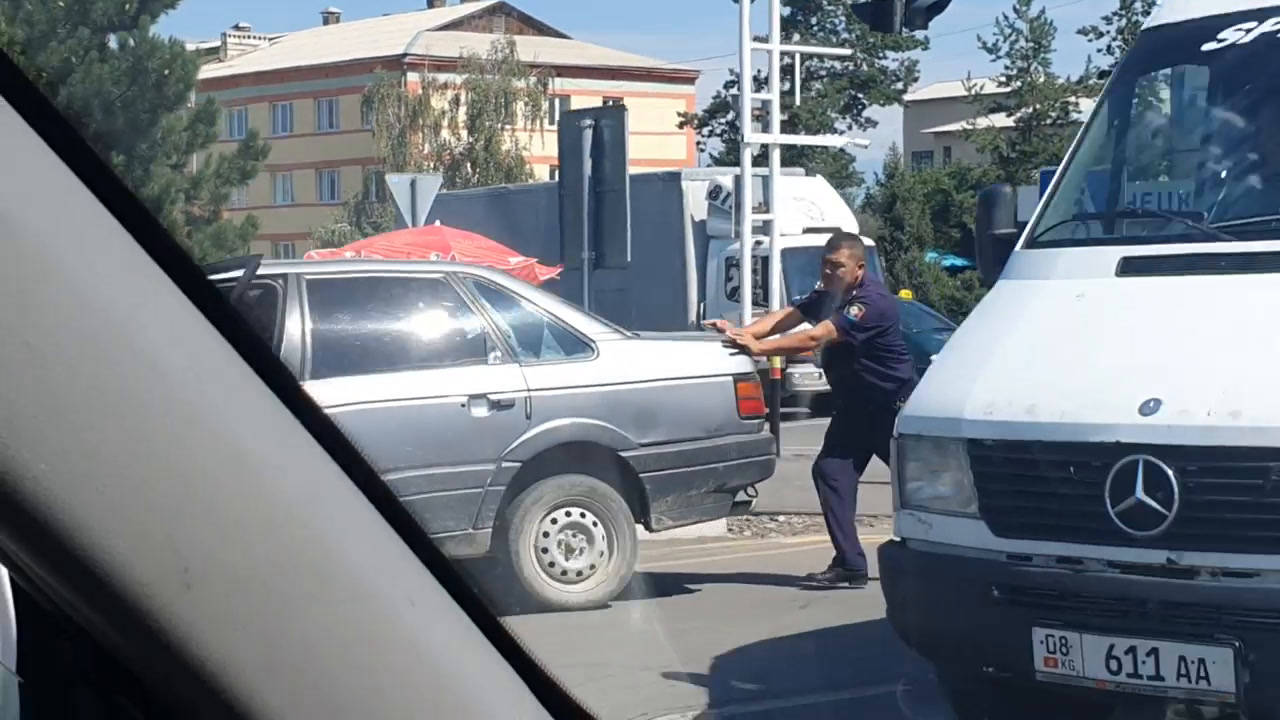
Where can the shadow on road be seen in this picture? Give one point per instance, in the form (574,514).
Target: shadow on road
(656,584)
(859,670)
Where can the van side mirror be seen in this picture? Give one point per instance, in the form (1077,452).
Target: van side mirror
(995,230)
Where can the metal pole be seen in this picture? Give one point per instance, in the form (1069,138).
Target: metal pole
(588,134)
(744,201)
(775,236)
(413,202)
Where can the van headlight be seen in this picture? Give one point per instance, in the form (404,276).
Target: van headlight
(933,476)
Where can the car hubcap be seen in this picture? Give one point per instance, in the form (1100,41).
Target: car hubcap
(571,547)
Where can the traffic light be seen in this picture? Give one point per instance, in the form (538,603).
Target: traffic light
(894,16)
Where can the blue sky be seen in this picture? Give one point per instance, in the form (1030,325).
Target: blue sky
(673,30)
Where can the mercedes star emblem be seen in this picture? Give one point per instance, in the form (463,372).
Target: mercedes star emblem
(1142,495)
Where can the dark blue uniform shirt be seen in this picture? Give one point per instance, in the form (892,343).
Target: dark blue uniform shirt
(868,361)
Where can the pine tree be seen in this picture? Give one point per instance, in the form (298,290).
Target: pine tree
(467,128)
(836,93)
(1114,35)
(1042,104)
(129,91)
(921,211)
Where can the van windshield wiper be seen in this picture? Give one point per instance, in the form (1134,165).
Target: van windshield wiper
(1139,213)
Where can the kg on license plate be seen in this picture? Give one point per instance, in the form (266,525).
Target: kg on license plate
(1155,667)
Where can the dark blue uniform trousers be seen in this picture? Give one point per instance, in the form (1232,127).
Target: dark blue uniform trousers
(852,438)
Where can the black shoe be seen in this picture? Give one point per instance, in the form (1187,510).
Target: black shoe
(838,576)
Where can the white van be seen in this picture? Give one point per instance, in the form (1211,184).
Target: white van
(1087,481)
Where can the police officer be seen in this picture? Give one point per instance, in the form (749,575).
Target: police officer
(870,371)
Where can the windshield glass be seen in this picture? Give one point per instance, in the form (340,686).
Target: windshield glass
(917,317)
(1185,135)
(802,268)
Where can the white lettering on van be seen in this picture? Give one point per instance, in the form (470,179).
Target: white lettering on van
(1268,26)
(1230,36)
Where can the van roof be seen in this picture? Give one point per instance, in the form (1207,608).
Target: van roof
(1175,11)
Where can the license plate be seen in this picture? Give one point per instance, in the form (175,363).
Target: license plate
(1150,667)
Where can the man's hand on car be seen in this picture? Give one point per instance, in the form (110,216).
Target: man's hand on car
(719,325)
(743,340)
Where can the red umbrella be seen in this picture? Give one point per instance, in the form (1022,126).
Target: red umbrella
(441,242)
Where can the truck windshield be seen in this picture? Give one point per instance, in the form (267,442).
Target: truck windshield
(1183,146)
(802,267)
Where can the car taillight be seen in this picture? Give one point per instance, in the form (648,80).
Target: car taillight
(750,394)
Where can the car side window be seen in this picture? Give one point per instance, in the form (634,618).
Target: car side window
(534,336)
(262,305)
(378,323)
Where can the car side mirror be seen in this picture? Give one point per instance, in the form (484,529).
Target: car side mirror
(995,230)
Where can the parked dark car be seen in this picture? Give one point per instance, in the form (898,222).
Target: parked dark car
(925,330)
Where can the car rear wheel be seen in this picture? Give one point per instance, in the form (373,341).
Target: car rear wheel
(570,542)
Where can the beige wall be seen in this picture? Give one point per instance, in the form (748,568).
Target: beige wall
(923,114)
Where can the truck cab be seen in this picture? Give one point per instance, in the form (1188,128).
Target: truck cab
(811,210)
(1087,481)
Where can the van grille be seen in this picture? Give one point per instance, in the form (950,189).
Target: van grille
(1054,491)
(1143,612)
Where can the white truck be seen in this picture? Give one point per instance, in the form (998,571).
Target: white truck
(1087,481)
(685,265)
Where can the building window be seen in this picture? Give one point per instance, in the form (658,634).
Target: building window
(553,173)
(366,116)
(375,186)
(556,106)
(282,188)
(281,118)
(498,24)
(237,123)
(612,101)
(239,197)
(327,118)
(946,155)
(329,185)
(286,250)
(922,160)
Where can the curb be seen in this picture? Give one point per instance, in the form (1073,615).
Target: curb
(715,528)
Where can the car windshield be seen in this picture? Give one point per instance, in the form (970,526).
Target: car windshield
(917,317)
(1182,146)
(802,268)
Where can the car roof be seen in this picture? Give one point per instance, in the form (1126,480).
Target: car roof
(329,267)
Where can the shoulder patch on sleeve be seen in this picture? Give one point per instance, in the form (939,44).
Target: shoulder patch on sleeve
(855,311)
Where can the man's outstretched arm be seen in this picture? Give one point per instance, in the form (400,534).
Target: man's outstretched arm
(793,344)
(774,323)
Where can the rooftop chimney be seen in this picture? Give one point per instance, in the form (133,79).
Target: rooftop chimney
(330,16)
(432,4)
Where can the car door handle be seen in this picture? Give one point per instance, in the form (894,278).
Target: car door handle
(501,403)
(481,405)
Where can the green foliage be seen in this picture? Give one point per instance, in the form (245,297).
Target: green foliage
(467,129)
(1114,35)
(836,92)
(128,91)
(1041,103)
(915,212)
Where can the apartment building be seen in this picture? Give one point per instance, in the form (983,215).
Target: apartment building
(302,91)
(935,118)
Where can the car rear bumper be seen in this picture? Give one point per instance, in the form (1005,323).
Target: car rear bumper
(692,482)
(973,616)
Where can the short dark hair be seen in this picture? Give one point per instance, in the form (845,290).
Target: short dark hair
(846,241)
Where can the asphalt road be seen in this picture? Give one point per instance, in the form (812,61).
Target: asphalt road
(790,490)
(720,630)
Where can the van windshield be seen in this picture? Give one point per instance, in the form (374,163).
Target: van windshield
(1184,145)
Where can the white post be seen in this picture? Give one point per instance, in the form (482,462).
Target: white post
(743,202)
(775,155)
